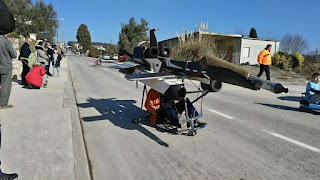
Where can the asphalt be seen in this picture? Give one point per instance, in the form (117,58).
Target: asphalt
(41,135)
(250,134)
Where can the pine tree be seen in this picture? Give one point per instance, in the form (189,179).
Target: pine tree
(132,33)
(84,37)
(34,17)
(253,33)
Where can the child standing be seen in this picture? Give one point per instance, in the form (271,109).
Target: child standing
(56,63)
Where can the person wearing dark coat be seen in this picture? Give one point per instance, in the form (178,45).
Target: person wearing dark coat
(50,52)
(24,54)
(7,25)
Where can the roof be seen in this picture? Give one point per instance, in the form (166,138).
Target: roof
(226,36)
(261,39)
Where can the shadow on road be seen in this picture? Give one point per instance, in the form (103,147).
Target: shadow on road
(288,108)
(120,113)
(17,81)
(290,98)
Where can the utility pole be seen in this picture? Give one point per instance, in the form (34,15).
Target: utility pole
(58,22)
(62,32)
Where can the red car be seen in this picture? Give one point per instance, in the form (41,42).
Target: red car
(123,57)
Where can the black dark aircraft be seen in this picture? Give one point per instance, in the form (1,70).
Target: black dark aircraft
(153,67)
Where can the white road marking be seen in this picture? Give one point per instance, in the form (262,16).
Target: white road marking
(293,141)
(221,114)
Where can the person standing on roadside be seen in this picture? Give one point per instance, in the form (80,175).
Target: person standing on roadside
(7,25)
(56,63)
(7,52)
(50,51)
(264,60)
(42,56)
(24,55)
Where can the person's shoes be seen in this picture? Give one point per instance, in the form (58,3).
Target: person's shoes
(13,176)
(201,124)
(49,74)
(6,107)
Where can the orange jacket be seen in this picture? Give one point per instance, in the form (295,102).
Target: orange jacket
(152,103)
(264,57)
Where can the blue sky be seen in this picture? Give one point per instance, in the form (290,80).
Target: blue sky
(271,18)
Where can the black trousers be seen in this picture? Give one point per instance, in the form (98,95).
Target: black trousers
(32,86)
(264,68)
(25,71)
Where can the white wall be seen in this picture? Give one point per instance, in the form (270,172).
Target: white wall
(236,44)
(256,45)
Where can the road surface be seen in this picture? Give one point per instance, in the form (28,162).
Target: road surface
(250,134)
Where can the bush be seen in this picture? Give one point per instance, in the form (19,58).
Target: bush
(94,52)
(288,61)
(297,60)
(309,68)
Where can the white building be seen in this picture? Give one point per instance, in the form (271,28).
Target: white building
(244,49)
(33,36)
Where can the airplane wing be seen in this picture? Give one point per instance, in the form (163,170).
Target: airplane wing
(126,65)
(148,76)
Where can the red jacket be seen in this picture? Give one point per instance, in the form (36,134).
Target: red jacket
(152,103)
(35,75)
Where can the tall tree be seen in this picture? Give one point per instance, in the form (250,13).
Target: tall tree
(44,19)
(38,18)
(132,33)
(253,33)
(84,37)
(294,43)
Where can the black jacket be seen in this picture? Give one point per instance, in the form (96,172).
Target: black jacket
(25,51)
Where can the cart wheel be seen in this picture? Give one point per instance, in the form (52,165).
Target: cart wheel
(192,133)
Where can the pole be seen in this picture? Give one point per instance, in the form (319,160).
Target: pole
(58,22)
(62,33)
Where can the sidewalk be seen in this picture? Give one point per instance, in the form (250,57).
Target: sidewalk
(37,133)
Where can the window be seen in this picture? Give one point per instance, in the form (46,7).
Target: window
(246,52)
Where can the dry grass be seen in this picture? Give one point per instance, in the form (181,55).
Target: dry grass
(191,48)
(309,68)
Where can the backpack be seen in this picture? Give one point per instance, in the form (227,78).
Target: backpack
(32,59)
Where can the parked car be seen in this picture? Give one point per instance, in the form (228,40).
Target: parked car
(106,56)
(115,57)
(123,57)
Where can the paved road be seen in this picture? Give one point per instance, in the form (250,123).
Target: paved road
(250,135)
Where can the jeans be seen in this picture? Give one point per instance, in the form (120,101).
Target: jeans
(172,114)
(44,79)
(56,71)
(315,99)
(266,69)
(5,90)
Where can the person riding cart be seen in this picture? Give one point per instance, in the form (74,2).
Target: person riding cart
(167,111)
(313,89)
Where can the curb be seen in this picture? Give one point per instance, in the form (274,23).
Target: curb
(82,161)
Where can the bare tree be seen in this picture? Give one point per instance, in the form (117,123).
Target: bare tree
(240,31)
(294,43)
